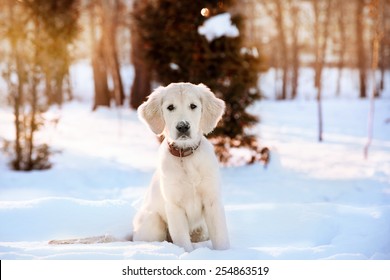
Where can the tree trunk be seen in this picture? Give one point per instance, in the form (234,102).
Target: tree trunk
(68,94)
(361,54)
(102,94)
(58,89)
(375,8)
(382,79)
(295,51)
(283,44)
(18,96)
(320,120)
(32,124)
(53,87)
(141,87)
(18,99)
(318,68)
(109,27)
(382,58)
(321,35)
(343,43)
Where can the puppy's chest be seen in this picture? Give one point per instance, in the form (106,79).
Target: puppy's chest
(185,176)
(189,173)
(191,192)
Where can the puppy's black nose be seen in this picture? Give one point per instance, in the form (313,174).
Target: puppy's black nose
(183,126)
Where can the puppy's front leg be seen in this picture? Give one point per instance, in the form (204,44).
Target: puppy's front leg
(216,224)
(178,226)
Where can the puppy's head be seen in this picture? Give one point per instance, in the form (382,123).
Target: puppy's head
(182,112)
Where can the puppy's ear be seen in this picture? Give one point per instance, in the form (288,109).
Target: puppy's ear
(150,111)
(212,109)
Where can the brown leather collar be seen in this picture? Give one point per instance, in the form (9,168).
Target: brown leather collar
(180,152)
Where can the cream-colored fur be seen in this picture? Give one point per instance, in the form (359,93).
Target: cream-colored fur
(183,202)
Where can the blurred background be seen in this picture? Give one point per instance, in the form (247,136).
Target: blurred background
(280,51)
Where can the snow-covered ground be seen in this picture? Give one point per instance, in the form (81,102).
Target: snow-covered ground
(314,200)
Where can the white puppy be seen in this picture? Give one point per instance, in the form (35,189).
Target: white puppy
(183,203)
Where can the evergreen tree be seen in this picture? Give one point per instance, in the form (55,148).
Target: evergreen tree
(176,52)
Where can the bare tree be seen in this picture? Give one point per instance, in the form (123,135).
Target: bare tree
(286,16)
(16,92)
(276,10)
(322,13)
(102,93)
(294,47)
(28,38)
(341,24)
(361,50)
(279,19)
(376,6)
(385,45)
(105,61)
(109,18)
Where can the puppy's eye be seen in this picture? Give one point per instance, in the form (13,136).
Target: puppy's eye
(171,107)
(193,106)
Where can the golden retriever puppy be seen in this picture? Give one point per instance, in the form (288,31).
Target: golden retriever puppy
(183,203)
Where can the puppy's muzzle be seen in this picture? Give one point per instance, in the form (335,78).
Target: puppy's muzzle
(183,127)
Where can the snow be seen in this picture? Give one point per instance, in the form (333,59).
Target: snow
(314,200)
(218,26)
(174,66)
(253,51)
(271,83)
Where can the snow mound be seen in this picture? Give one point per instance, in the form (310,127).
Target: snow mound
(218,26)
